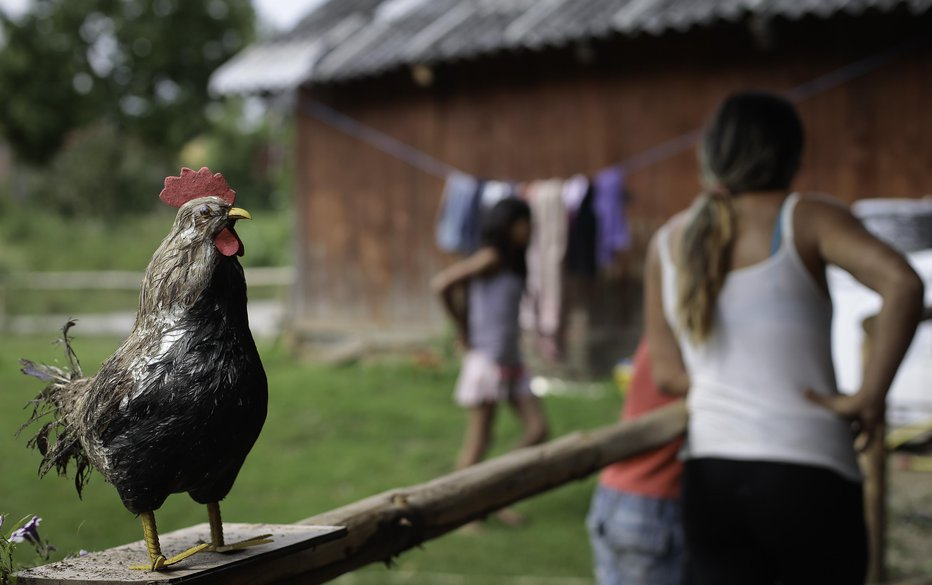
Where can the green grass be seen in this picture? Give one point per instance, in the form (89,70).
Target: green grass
(333,436)
(33,242)
(83,302)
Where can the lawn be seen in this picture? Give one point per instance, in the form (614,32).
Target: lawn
(34,242)
(333,436)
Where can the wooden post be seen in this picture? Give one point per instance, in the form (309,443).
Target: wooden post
(874,462)
(874,466)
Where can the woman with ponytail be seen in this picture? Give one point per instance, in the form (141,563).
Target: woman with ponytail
(739,320)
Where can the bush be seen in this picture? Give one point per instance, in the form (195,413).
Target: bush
(99,173)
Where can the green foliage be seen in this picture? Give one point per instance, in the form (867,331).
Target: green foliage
(102,99)
(142,65)
(36,240)
(105,173)
(250,154)
(100,173)
(33,240)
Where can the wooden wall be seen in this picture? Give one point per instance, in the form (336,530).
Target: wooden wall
(366,250)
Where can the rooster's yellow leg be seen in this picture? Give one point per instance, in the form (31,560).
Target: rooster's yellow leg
(216,533)
(157,559)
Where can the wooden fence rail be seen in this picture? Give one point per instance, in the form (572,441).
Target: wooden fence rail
(120,280)
(385,525)
(128,280)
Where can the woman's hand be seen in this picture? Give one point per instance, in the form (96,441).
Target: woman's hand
(864,414)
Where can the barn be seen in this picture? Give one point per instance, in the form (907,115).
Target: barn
(390,96)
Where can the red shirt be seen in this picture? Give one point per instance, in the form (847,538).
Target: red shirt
(654,474)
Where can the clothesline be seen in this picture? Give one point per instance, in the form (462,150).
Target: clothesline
(646,158)
(377,139)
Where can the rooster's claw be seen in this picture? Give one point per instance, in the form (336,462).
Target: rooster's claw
(160,562)
(255,541)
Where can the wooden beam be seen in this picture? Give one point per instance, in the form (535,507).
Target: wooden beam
(874,466)
(126,280)
(112,566)
(383,526)
(927,580)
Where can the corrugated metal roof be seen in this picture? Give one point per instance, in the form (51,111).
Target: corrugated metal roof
(346,39)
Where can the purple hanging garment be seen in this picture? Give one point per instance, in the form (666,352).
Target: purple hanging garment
(612,220)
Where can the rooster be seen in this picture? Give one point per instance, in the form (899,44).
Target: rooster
(180,403)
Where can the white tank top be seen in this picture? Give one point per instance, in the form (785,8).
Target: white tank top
(771,340)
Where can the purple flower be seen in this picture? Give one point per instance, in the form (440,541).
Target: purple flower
(28,532)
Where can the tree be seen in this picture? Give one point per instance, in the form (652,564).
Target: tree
(138,65)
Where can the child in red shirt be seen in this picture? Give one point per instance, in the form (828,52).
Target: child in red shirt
(635,523)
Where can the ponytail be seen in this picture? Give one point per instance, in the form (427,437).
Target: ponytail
(704,261)
(754,142)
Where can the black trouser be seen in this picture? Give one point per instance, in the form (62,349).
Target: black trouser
(766,523)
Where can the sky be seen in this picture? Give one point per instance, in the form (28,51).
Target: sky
(281,14)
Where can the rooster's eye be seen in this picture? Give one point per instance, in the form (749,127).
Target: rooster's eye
(203,210)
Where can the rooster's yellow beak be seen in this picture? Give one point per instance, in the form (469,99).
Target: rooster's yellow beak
(237,213)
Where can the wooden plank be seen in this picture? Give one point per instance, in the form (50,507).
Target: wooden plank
(127,280)
(876,483)
(874,465)
(926,580)
(112,566)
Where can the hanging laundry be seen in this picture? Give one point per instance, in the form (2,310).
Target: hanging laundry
(458,223)
(472,221)
(574,190)
(580,257)
(545,259)
(495,191)
(613,233)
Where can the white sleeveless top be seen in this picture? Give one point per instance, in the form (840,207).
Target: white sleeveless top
(771,340)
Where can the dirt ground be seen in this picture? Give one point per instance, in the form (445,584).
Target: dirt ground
(909,548)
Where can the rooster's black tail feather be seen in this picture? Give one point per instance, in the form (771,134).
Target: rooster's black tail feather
(52,408)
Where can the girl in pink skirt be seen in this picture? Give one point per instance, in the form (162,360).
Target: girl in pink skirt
(487,323)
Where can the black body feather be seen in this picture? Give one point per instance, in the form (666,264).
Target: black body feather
(180,404)
(191,421)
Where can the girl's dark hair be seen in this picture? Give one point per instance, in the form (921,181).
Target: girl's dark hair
(754,142)
(495,232)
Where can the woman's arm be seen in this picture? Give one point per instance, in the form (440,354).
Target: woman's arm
(842,240)
(667,367)
(457,275)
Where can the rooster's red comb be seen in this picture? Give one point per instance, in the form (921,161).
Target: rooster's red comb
(193,185)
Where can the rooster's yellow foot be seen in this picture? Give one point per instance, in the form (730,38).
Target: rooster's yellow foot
(255,541)
(160,562)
